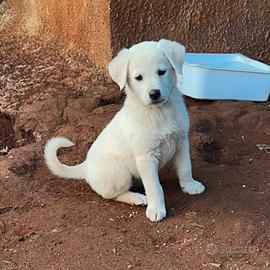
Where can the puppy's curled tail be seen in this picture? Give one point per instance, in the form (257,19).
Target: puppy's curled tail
(56,167)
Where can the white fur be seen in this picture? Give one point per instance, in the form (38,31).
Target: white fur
(142,137)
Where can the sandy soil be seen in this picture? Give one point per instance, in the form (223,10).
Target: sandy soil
(51,223)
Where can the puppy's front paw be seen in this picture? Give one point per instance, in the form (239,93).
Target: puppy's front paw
(156,213)
(193,187)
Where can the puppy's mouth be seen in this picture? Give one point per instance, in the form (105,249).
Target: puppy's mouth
(158,102)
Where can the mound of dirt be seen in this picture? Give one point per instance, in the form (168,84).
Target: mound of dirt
(7,134)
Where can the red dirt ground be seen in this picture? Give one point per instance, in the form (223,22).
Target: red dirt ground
(51,223)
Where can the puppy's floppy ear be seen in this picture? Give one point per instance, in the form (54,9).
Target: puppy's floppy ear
(118,68)
(175,52)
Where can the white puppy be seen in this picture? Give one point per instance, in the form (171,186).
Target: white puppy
(150,130)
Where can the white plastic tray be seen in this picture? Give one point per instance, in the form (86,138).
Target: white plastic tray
(225,76)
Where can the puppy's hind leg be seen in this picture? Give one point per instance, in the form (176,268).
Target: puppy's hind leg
(133,198)
(112,180)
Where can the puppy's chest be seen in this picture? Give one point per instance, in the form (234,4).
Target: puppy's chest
(167,149)
(168,135)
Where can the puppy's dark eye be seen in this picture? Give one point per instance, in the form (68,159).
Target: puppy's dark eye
(139,77)
(161,72)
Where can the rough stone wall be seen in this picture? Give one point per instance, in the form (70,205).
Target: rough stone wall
(100,28)
(201,25)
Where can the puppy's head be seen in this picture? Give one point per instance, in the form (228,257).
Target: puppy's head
(148,70)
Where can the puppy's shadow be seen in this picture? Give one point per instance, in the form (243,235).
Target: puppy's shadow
(137,186)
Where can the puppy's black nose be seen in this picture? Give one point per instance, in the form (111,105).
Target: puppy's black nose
(154,94)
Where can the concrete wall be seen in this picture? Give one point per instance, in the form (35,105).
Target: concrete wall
(202,25)
(81,24)
(101,27)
